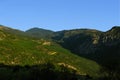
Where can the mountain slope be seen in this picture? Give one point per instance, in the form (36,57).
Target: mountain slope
(87,41)
(81,41)
(21,50)
(11,30)
(38,46)
(102,47)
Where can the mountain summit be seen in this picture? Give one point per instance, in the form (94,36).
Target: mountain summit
(40,33)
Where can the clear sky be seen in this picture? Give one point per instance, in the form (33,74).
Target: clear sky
(60,14)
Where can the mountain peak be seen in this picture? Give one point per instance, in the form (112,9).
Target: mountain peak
(39,32)
(114,31)
(38,29)
(115,28)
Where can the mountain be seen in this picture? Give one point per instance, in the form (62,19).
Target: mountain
(78,52)
(79,40)
(87,41)
(20,54)
(69,39)
(102,47)
(39,33)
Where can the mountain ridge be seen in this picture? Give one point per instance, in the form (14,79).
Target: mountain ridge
(81,49)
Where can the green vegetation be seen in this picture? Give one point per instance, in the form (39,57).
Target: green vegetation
(67,55)
(18,50)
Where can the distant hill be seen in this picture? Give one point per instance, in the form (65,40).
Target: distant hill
(40,33)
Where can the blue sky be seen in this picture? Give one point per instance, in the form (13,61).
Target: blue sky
(60,14)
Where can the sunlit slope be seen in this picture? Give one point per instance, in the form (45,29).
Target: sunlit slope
(19,50)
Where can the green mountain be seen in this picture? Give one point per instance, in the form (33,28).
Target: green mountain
(40,54)
(39,33)
(102,47)
(23,57)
